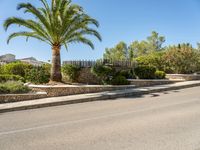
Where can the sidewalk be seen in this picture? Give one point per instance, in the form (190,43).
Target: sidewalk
(55,101)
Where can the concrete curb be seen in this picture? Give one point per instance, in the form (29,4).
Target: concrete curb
(49,102)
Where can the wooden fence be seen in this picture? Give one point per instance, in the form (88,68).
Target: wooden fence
(91,63)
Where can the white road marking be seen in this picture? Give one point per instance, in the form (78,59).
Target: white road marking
(84,120)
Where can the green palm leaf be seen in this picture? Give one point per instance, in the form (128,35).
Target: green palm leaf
(59,23)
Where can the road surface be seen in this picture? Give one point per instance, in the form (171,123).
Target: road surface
(160,121)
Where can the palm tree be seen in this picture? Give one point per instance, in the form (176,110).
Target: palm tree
(57,24)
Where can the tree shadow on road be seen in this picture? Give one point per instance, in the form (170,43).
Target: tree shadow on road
(151,95)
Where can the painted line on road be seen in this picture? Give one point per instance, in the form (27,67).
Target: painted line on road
(89,119)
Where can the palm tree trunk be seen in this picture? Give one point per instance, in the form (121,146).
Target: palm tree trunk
(56,64)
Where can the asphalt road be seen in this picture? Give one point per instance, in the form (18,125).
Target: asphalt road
(160,121)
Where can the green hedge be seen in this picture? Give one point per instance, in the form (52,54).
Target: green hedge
(5,78)
(119,80)
(19,71)
(145,72)
(128,74)
(1,69)
(38,75)
(160,75)
(109,75)
(16,68)
(13,87)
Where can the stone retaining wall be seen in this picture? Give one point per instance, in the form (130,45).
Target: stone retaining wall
(186,77)
(66,90)
(73,90)
(8,98)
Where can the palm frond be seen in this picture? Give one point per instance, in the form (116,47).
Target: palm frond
(82,40)
(27,35)
(59,22)
(33,10)
(30,24)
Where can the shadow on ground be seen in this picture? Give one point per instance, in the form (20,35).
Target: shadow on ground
(151,95)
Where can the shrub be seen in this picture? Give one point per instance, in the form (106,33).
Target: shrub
(71,72)
(1,69)
(128,74)
(16,68)
(119,80)
(160,75)
(102,70)
(145,72)
(38,75)
(183,59)
(13,87)
(47,68)
(5,78)
(105,73)
(155,59)
(109,75)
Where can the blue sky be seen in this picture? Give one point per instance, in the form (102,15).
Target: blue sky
(128,20)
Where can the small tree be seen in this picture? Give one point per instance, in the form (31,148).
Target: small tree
(119,52)
(153,43)
(156,41)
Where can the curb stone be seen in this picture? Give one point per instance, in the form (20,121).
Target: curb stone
(93,97)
